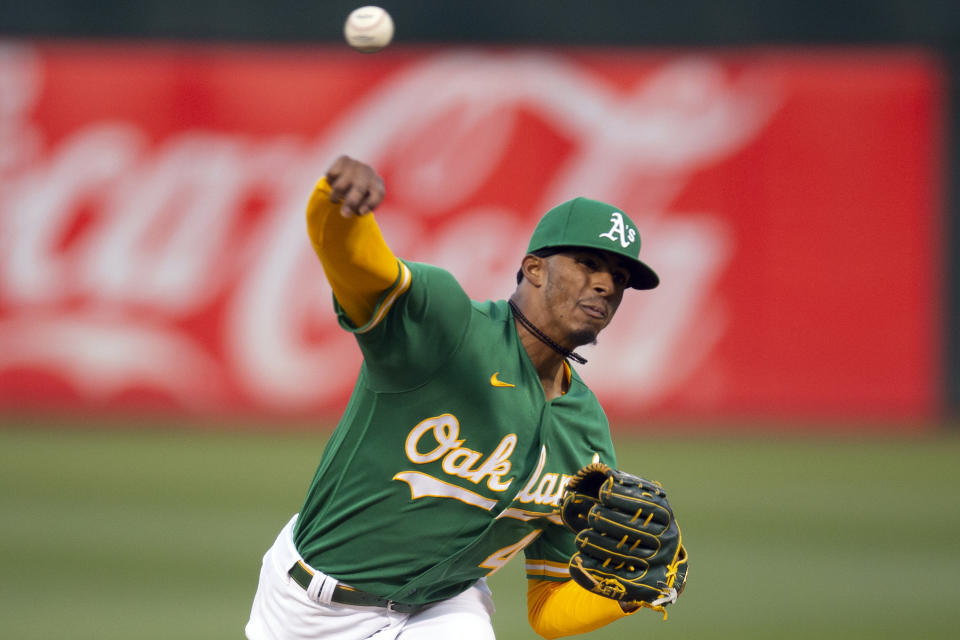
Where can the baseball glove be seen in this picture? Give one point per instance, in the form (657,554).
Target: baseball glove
(629,546)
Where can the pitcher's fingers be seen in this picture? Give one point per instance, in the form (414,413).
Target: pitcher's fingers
(353,199)
(373,198)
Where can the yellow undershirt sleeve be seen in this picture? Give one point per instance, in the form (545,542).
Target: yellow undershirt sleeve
(356,259)
(557,609)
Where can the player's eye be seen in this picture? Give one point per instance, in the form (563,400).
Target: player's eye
(588,261)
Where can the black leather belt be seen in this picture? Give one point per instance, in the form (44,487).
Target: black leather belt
(343,594)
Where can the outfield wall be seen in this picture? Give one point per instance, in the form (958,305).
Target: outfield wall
(153,254)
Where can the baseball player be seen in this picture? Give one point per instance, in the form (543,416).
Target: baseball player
(466,431)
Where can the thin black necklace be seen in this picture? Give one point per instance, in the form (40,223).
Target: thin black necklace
(544,338)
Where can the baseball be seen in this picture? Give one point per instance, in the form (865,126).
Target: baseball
(368,29)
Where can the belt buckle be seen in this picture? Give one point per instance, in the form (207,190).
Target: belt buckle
(390,604)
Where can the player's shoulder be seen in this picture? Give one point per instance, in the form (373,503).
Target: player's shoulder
(494,310)
(578,385)
(427,270)
(429,278)
(581,394)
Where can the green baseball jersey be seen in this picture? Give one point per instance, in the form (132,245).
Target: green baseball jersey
(448,459)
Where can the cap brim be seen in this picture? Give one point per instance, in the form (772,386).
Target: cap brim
(643,277)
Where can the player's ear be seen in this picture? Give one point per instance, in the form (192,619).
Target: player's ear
(534,269)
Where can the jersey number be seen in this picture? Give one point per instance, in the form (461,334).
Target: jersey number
(500,557)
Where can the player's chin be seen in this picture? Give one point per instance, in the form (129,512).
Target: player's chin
(584,335)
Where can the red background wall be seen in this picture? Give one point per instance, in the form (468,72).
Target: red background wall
(153,254)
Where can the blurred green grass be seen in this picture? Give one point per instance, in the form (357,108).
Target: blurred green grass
(157,533)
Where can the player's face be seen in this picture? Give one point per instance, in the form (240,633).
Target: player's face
(583,291)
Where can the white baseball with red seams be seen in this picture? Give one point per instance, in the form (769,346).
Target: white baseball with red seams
(368,29)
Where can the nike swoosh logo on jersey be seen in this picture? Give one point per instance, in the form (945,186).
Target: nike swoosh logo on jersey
(497,382)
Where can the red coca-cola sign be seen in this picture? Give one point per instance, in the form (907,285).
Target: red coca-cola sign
(153,250)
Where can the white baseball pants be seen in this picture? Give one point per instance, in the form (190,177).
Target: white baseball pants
(283,610)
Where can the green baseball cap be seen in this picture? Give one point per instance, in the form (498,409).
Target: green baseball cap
(583,222)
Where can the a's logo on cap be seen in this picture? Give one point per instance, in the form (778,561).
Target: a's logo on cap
(619,232)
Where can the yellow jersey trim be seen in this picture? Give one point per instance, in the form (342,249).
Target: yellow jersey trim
(546,568)
(400,289)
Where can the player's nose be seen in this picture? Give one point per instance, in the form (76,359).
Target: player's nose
(603,282)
